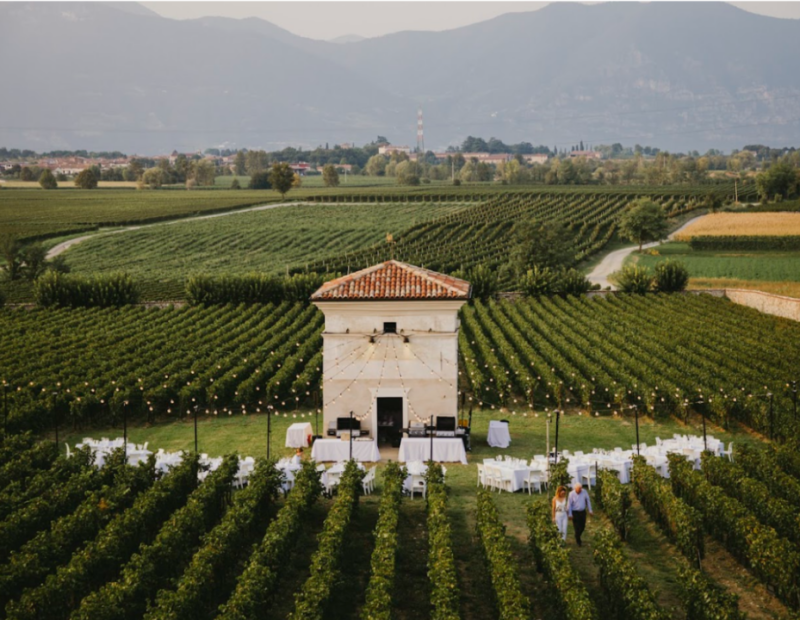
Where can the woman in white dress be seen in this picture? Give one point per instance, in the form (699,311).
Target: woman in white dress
(560,516)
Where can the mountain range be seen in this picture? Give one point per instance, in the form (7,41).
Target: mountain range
(679,76)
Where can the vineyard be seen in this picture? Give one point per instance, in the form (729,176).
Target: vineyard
(125,542)
(666,355)
(272,241)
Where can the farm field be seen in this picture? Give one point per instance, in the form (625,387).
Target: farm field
(743,224)
(221,540)
(441,231)
(161,258)
(767,266)
(655,352)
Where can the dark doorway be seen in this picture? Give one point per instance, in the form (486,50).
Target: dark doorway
(390,420)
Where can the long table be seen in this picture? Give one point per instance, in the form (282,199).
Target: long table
(445,450)
(338,450)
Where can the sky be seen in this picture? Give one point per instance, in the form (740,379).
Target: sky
(328,20)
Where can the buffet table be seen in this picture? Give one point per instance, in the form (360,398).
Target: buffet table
(338,450)
(445,450)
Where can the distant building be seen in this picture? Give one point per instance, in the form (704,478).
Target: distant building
(536,158)
(388,149)
(586,154)
(300,168)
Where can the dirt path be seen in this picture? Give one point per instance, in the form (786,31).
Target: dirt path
(613,261)
(65,245)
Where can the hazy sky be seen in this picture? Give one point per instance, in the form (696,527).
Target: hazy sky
(327,20)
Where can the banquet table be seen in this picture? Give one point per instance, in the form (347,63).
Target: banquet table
(414,468)
(498,436)
(445,450)
(338,450)
(298,435)
(519,471)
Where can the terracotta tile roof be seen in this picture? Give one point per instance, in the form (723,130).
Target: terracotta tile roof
(393,280)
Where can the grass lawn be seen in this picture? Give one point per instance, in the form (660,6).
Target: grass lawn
(652,553)
(748,266)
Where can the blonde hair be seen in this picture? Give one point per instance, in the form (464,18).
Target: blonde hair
(561,491)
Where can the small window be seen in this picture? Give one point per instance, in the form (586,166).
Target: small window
(390,328)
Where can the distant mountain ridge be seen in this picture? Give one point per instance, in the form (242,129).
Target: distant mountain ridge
(674,75)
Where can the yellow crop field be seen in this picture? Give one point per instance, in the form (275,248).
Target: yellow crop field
(747,224)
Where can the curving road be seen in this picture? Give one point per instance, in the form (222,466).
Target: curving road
(613,261)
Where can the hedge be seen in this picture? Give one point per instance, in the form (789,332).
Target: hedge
(379,599)
(58,289)
(208,578)
(569,593)
(256,585)
(512,604)
(253,288)
(627,591)
(441,561)
(311,599)
(681,523)
(615,500)
(745,243)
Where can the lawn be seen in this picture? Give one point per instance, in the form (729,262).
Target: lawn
(754,266)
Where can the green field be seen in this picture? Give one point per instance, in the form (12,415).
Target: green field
(763,266)
(163,256)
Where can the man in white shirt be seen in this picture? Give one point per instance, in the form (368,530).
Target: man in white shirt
(578,503)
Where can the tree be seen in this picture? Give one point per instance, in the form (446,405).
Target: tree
(407,173)
(484,281)
(204,172)
(779,179)
(281,178)
(671,277)
(239,165)
(633,279)
(153,178)
(259,180)
(541,245)
(330,177)
(86,179)
(643,220)
(713,202)
(256,161)
(26,174)
(47,180)
(376,166)
(539,281)
(34,261)
(11,253)
(235,184)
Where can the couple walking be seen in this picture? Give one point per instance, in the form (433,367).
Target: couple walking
(572,508)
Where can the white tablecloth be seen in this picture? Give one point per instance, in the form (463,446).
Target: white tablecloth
(338,450)
(498,436)
(297,435)
(519,472)
(445,450)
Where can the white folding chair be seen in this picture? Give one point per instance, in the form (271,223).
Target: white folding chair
(727,453)
(506,480)
(590,476)
(578,453)
(533,480)
(491,476)
(418,485)
(481,476)
(69,452)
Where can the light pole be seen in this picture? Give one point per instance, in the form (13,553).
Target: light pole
(269,430)
(794,398)
(5,407)
(558,418)
(430,429)
(196,407)
(771,417)
(636,414)
(55,413)
(351,435)
(125,429)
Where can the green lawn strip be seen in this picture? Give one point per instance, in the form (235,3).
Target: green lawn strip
(412,596)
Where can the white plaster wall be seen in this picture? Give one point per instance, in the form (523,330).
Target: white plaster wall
(356,371)
(778,305)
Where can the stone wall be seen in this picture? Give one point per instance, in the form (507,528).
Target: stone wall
(778,305)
